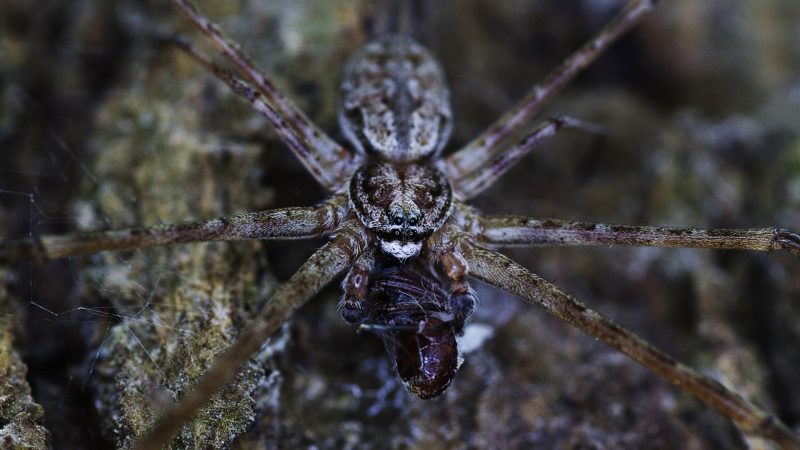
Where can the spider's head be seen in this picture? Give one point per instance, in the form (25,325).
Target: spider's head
(401,204)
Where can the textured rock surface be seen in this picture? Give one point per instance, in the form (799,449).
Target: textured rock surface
(109,128)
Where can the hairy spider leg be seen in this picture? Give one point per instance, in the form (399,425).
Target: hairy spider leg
(320,269)
(285,223)
(485,147)
(478,180)
(529,232)
(505,274)
(329,163)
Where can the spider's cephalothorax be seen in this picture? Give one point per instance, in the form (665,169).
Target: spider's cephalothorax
(401,204)
(395,103)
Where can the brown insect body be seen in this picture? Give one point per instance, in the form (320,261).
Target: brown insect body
(410,310)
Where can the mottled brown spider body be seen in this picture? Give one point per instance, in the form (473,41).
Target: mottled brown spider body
(397,209)
(401,204)
(396,113)
(395,102)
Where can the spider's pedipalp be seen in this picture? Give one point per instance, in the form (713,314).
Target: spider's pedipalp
(319,270)
(330,163)
(504,273)
(285,223)
(462,298)
(355,286)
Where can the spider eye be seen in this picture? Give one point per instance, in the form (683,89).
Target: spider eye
(396,232)
(413,221)
(397,220)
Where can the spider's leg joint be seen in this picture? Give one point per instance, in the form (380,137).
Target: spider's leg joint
(787,240)
(572,122)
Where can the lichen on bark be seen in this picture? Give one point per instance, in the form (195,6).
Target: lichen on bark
(20,416)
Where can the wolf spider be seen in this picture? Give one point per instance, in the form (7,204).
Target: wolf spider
(398,209)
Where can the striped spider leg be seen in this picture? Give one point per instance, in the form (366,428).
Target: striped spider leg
(286,223)
(484,232)
(475,166)
(330,163)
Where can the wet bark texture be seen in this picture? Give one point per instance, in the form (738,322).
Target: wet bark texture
(108,127)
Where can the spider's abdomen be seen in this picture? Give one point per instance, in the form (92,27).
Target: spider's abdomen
(402,204)
(395,102)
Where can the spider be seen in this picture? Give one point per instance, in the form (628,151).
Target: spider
(376,210)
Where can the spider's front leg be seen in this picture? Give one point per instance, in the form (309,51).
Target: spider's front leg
(505,274)
(330,163)
(486,147)
(285,223)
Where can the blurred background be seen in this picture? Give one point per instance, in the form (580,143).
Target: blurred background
(103,125)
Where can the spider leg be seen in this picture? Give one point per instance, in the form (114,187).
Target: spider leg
(483,148)
(504,273)
(319,270)
(330,163)
(285,223)
(473,183)
(525,231)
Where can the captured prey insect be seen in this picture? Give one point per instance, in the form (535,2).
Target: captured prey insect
(410,310)
(395,197)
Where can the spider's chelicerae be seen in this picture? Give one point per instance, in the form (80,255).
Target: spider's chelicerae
(397,216)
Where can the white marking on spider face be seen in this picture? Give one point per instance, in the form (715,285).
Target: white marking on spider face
(401,250)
